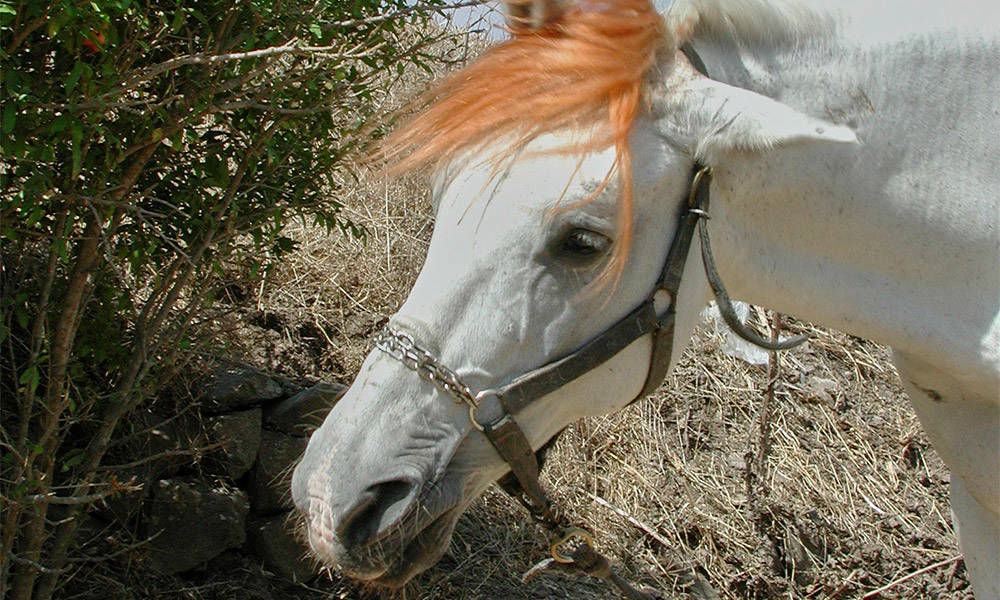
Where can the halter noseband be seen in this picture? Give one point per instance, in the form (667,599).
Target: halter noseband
(506,435)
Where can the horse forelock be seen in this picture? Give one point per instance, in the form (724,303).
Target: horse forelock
(584,72)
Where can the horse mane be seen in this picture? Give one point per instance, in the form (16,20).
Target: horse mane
(586,71)
(584,68)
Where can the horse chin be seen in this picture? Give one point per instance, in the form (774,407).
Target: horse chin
(422,552)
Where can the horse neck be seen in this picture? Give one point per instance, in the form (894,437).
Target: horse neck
(890,239)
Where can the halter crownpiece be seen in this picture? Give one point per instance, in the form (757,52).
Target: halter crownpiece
(506,436)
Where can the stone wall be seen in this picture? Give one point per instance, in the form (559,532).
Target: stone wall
(217,477)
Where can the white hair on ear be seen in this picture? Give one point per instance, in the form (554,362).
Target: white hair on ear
(709,118)
(734,119)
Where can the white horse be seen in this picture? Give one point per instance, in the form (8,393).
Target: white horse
(856,159)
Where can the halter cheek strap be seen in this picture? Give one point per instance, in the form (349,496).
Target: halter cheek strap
(643,320)
(506,436)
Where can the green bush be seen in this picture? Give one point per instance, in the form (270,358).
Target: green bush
(144,145)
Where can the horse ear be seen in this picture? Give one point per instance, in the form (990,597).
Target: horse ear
(528,15)
(722,118)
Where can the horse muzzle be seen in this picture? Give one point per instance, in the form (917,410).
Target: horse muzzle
(401,550)
(375,485)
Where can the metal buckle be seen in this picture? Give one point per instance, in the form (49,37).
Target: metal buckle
(567,535)
(696,183)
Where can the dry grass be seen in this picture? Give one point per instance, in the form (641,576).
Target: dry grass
(853,497)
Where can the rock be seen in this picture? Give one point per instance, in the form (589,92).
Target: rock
(167,438)
(274,540)
(702,588)
(819,389)
(161,447)
(304,412)
(695,584)
(805,548)
(239,434)
(272,477)
(193,522)
(237,387)
(798,560)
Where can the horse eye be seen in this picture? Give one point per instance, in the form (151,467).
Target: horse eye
(583,243)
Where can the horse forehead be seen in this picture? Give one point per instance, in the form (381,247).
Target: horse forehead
(544,177)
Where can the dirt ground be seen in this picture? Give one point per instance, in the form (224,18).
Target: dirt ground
(853,499)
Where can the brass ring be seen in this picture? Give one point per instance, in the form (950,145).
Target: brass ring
(476,401)
(472,418)
(696,182)
(566,535)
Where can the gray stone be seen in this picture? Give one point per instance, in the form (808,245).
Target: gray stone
(167,438)
(801,556)
(272,477)
(239,434)
(233,387)
(274,540)
(193,522)
(798,561)
(160,447)
(304,412)
(820,389)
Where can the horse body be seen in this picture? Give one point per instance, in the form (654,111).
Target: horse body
(895,238)
(856,184)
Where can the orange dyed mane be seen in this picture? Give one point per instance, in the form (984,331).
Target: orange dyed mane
(584,71)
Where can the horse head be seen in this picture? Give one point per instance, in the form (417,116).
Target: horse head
(562,162)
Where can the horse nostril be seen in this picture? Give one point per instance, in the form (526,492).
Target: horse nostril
(377,507)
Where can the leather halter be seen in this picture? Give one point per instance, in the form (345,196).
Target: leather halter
(504,433)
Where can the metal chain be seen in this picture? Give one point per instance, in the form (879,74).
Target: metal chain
(404,348)
(572,548)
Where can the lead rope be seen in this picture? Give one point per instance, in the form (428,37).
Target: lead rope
(572,550)
(571,547)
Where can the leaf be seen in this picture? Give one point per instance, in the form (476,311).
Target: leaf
(22,317)
(74,77)
(9,117)
(178,21)
(72,458)
(286,244)
(60,122)
(29,378)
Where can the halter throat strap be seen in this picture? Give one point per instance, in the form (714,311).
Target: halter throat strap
(504,433)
